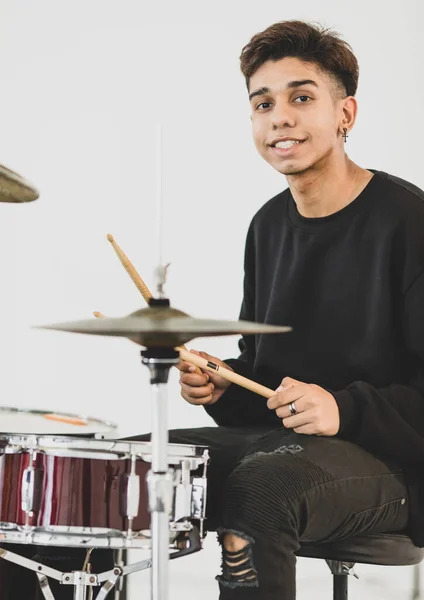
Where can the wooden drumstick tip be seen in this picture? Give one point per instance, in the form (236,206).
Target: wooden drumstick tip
(110,238)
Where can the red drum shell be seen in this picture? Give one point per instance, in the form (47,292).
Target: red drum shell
(72,491)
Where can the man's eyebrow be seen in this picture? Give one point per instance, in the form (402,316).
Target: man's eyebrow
(291,85)
(259,92)
(295,84)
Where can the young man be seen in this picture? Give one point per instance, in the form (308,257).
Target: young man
(339,256)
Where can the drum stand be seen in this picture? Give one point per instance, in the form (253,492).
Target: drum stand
(84,581)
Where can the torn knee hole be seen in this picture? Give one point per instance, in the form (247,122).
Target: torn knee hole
(237,565)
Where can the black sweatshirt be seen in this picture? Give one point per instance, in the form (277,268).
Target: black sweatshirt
(352,287)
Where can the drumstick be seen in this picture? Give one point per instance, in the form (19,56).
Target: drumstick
(206,365)
(132,272)
(130,269)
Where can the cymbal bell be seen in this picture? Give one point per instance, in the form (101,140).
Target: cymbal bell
(14,188)
(160,326)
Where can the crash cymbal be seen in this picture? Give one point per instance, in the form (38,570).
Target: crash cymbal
(163,327)
(14,188)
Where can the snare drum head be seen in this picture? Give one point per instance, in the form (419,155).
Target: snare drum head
(15,420)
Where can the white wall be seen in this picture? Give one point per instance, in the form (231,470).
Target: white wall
(83,84)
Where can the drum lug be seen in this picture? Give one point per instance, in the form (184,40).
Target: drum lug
(160,487)
(183,491)
(198,498)
(133,496)
(30,489)
(28,481)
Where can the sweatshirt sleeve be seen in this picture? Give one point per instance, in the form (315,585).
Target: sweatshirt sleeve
(238,406)
(391,420)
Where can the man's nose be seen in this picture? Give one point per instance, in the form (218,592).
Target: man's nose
(282,116)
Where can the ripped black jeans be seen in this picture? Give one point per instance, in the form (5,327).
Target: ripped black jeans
(277,489)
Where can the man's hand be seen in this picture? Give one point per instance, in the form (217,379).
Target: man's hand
(317,412)
(202,389)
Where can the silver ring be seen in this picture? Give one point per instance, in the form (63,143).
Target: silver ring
(292,408)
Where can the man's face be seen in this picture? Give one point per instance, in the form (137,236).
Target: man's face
(293,100)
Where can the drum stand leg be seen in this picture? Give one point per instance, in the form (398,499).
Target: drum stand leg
(83,580)
(159,479)
(119,562)
(80,579)
(45,587)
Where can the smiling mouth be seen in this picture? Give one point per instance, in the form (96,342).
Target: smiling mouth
(286,148)
(285,145)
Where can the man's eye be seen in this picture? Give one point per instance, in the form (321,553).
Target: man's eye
(303,99)
(262,104)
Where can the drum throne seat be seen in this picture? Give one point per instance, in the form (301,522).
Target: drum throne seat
(372,549)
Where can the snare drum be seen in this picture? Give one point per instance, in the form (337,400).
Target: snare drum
(65,491)
(19,420)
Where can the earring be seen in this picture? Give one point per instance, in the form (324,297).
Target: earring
(344,134)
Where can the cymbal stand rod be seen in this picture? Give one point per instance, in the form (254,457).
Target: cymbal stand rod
(159,479)
(159,200)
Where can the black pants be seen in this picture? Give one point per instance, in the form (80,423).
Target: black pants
(275,489)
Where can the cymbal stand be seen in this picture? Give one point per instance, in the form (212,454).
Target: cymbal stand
(159,479)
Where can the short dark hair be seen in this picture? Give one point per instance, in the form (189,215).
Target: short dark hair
(310,43)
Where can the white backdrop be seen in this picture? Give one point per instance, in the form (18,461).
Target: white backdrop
(83,85)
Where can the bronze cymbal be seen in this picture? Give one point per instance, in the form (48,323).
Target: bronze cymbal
(164,327)
(14,188)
